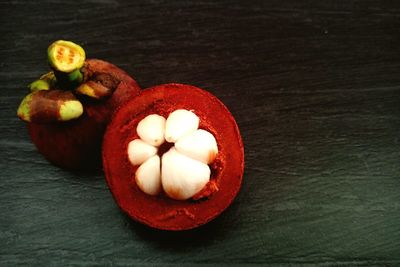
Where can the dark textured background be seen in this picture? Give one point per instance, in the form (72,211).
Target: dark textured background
(313,85)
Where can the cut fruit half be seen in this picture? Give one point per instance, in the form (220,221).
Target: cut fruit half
(130,175)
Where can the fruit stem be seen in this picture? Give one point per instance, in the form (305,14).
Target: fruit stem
(68,81)
(66,59)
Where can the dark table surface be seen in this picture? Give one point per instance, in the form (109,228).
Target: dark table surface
(314,87)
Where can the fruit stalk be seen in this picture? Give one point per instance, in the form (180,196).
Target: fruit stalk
(66,59)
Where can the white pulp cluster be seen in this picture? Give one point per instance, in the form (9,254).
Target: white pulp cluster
(182,171)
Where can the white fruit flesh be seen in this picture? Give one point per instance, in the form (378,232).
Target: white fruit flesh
(139,151)
(181,176)
(182,172)
(179,123)
(151,129)
(200,145)
(148,176)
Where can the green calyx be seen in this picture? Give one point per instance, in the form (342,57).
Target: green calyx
(51,98)
(45,82)
(48,106)
(76,76)
(70,110)
(39,85)
(94,90)
(65,56)
(23,111)
(49,76)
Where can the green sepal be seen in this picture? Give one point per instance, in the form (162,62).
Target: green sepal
(94,90)
(48,106)
(23,111)
(68,81)
(39,85)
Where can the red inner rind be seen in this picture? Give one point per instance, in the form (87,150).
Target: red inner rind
(159,211)
(76,144)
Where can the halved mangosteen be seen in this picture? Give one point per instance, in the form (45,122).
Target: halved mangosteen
(173,157)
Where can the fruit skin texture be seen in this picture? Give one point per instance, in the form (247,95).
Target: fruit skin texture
(160,211)
(76,144)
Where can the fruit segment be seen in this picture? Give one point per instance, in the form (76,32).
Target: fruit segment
(151,129)
(179,123)
(139,151)
(200,145)
(182,177)
(148,176)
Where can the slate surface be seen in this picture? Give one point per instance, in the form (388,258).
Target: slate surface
(315,89)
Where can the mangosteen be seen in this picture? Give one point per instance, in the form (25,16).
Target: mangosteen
(68,108)
(173,157)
